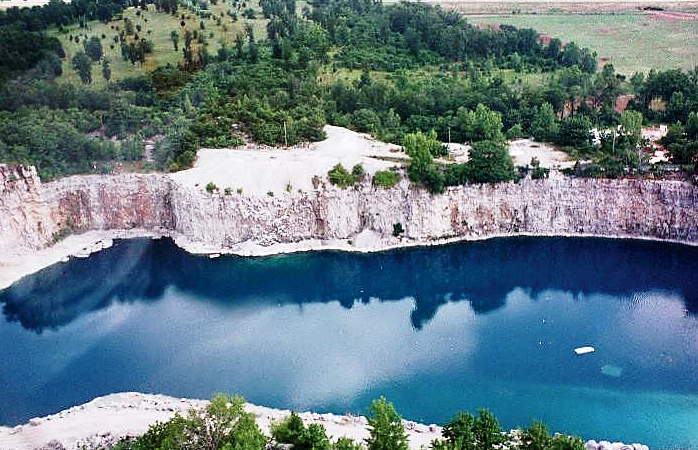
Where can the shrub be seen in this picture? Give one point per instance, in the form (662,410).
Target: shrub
(397,229)
(210,187)
(386,178)
(515,132)
(357,171)
(538,172)
(339,176)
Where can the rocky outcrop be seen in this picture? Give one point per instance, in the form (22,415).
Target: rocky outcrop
(23,209)
(35,214)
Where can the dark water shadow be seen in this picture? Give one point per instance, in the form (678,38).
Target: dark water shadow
(481,272)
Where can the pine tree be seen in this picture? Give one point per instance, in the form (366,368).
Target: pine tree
(385,427)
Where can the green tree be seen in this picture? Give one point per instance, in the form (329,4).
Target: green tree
(106,69)
(385,427)
(174,37)
(676,109)
(292,431)
(421,147)
(488,433)
(603,91)
(631,125)
(545,126)
(483,124)
(168,435)
(289,430)
(692,125)
(314,438)
(224,424)
(82,64)
(489,162)
(536,437)
(575,131)
(345,443)
(390,132)
(459,434)
(564,442)
(366,120)
(684,151)
(538,172)
(93,48)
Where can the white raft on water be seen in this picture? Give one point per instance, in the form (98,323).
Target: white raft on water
(584,350)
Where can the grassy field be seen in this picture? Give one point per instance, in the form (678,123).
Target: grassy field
(156,27)
(621,34)
(633,41)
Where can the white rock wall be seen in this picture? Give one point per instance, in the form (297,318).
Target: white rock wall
(31,212)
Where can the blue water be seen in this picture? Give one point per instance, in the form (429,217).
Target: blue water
(486,324)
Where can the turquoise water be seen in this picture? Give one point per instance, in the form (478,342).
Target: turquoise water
(486,324)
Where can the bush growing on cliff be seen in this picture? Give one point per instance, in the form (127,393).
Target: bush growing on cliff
(339,176)
(386,178)
(538,172)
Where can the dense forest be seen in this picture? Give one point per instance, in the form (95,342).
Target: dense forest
(408,73)
(224,425)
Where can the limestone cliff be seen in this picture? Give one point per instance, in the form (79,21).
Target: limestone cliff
(34,214)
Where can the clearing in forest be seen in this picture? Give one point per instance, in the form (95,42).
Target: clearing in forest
(629,37)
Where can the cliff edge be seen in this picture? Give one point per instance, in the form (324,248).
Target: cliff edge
(310,213)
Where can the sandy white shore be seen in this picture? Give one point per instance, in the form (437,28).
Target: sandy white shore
(23,262)
(131,413)
(109,418)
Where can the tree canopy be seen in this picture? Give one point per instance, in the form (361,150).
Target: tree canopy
(385,426)
(392,70)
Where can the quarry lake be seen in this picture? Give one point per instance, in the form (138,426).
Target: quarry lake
(435,330)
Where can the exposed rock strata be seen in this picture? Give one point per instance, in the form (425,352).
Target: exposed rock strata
(34,214)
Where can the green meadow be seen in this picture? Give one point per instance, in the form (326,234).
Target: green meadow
(634,41)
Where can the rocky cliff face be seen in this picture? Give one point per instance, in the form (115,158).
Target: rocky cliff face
(24,211)
(33,215)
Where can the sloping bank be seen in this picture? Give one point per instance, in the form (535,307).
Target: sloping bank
(94,208)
